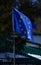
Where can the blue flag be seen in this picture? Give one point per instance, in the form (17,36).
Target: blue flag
(22,24)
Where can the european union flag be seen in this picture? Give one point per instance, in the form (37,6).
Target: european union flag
(22,24)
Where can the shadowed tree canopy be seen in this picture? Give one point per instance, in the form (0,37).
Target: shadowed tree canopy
(5,14)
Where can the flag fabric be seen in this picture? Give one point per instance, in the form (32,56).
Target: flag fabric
(22,24)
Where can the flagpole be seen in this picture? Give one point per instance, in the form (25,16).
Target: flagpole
(13,34)
(13,26)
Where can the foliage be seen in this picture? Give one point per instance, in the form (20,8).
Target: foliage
(31,9)
(5,14)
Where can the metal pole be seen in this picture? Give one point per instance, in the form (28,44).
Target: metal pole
(13,33)
(14,5)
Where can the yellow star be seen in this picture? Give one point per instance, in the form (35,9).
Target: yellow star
(25,32)
(29,22)
(20,16)
(29,26)
(21,29)
(28,31)
(20,25)
(19,20)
